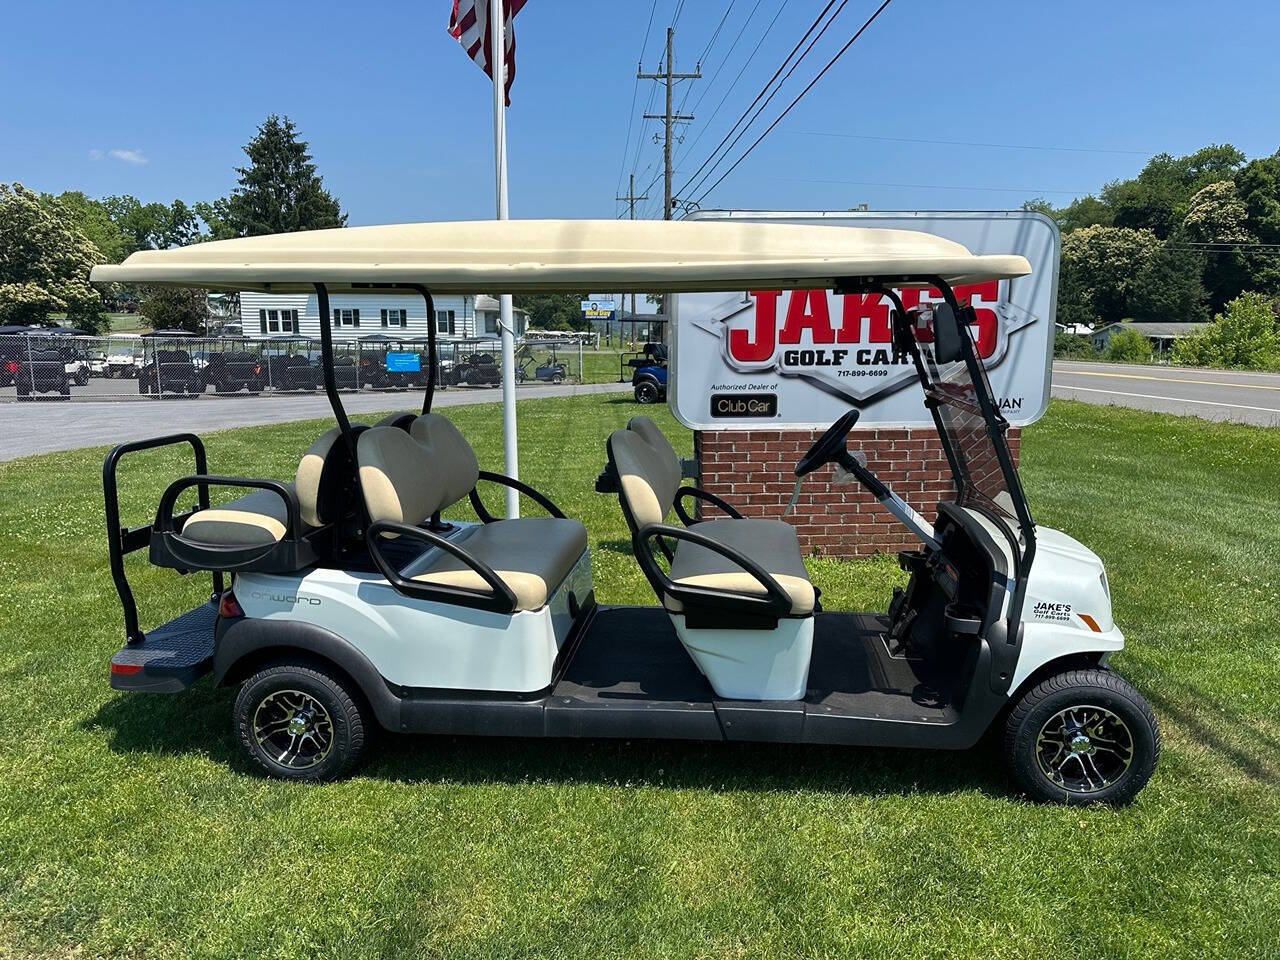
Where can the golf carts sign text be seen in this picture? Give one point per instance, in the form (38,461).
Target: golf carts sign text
(802,357)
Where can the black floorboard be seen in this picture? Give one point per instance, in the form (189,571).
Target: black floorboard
(852,674)
(633,653)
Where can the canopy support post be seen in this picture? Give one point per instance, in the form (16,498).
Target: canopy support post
(330,378)
(431,345)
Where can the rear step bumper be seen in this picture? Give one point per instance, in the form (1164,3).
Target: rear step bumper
(171,657)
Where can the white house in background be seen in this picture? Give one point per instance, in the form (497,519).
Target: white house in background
(352,316)
(486,309)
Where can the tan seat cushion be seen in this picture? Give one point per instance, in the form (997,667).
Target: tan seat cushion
(258,518)
(770,543)
(532,555)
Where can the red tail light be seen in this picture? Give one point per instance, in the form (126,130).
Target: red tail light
(229,606)
(11,366)
(125,669)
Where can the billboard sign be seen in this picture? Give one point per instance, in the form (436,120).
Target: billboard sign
(596,309)
(801,358)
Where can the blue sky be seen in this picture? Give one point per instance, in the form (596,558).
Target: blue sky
(156,99)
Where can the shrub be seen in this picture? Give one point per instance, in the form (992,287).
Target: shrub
(1244,335)
(1072,346)
(1128,345)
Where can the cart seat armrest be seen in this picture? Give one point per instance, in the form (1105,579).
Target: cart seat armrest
(501,597)
(706,496)
(777,601)
(539,498)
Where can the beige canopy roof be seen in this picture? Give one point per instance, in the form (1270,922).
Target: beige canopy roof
(530,256)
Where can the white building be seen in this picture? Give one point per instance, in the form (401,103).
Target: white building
(352,316)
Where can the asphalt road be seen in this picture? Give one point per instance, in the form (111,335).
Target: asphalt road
(42,427)
(1233,395)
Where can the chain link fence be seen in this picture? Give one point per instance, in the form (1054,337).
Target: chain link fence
(43,366)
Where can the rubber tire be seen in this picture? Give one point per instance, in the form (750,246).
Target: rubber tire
(342,703)
(1061,690)
(646,392)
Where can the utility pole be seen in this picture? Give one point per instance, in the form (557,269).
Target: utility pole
(631,199)
(669,77)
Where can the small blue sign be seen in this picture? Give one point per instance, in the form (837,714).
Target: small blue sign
(403,361)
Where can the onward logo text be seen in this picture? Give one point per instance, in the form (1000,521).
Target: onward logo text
(290,598)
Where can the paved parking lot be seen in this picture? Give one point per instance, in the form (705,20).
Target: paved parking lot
(45,426)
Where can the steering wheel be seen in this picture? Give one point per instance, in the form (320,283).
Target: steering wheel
(828,446)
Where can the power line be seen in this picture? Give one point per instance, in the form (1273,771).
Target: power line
(769,83)
(968,143)
(809,86)
(715,33)
(927,186)
(725,59)
(631,116)
(685,151)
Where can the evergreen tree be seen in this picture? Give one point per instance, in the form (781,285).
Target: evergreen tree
(280,191)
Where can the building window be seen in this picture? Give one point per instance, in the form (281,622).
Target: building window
(277,321)
(395,318)
(490,322)
(346,318)
(445,322)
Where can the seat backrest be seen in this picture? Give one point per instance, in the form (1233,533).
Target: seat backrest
(658,440)
(324,478)
(408,476)
(457,466)
(397,476)
(647,484)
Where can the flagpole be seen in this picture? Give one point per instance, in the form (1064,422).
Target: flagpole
(498,58)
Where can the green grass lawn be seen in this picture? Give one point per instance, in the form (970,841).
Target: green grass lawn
(130,825)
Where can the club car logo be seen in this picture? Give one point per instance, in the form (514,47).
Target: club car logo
(843,343)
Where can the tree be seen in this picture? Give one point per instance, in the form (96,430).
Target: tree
(151,226)
(1157,198)
(1216,215)
(174,308)
(217,219)
(45,260)
(552,311)
(1099,268)
(280,191)
(1168,287)
(1084,212)
(1128,346)
(1243,335)
(94,221)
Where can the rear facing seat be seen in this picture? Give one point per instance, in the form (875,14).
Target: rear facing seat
(260,518)
(409,477)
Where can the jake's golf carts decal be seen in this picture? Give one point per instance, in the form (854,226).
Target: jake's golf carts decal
(799,357)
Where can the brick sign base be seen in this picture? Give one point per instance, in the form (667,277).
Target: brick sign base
(754,472)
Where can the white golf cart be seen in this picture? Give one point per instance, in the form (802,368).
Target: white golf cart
(353,603)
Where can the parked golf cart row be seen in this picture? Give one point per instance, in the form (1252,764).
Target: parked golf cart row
(177,363)
(42,360)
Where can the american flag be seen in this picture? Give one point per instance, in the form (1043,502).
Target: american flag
(469,23)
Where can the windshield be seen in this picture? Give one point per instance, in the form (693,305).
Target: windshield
(985,479)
